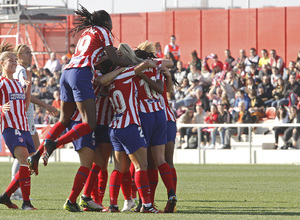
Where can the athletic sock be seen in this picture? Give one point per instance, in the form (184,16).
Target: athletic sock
(153,180)
(142,184)
(75,133)
(102,181)
(174,175)
(126,185)
(133,186)
(166,176)
(95,192)
(79,182)
(14,185)
(115,181)
(24,181)
(53,133)
(90,182)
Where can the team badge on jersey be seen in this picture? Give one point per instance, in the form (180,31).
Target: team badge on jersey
(21,140)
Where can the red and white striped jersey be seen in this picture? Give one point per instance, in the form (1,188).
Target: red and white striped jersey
(122,94)
(147,97)
(12,91)
(104,110)
(90,47)
(165,103)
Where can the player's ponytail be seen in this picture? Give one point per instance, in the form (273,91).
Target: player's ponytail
(86,19)
(6,47)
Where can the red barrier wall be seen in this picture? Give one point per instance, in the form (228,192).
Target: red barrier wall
(205,31)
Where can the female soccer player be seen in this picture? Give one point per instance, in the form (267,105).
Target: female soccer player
(14,101)
(75,82)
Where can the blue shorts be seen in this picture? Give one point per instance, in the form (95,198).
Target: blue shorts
(87,140)
(154,126)
(14,137)
(101,134)
(171,131)
(128,139)
(76,85)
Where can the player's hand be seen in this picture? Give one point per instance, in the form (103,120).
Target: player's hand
(164,70)
(52,110)
(6,107)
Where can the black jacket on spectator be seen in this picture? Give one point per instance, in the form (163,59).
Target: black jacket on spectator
(292,88)
(226,118)
(246,117)
(258,103)
(268,88)
(205,103)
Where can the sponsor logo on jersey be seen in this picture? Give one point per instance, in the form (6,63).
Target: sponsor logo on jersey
(16,96)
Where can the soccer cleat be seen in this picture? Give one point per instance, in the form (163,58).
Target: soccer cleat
(5,200)
(50,146)
(87,202)
(150,209)
(71,207)
(33,162)
(27,206)
(113,208)
(87,209)
(171,204)
(128,205)
(138,207)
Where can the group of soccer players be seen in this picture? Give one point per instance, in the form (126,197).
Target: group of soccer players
(103,104)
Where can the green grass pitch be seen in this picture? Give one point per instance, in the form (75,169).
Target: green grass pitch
(204,192)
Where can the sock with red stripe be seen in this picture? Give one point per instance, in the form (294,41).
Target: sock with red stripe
(153,180)
(53,133)
(102,180)
(133,186)
(115,181)
(142,184)
(14,185)
(75,133)
(126,185)
(79,181)
(24,181)
(90,182)
(174,175)
(95,192)
(166,176)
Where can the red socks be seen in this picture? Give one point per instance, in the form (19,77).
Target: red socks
(133,186)
(90,182)
(95,192)
(114,186)
(53,133)
(153,180)
(102,180)
(24,181)
(126,185)
(79,182)
(142,184)
(174,175)
(166,176)
(14,185)
(75,133)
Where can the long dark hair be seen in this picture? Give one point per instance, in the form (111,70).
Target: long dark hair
(87,19)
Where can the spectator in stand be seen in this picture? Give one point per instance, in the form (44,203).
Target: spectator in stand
(282,117)
(256,106)
(278,93)
(276,61)
(250,84)
(253,72)
(264,71)
(264,60)
(291,92)
(215,98)
(230,86)
(224,117)
(56,76)
(56,104)
(202,98)
(215,63)
(211,118)
(266,88)
(298,56)
(194,74)
(159,53)
(224,100)
(253,58)
(241,59)
(72,48)
(297,69)
(185,118)
(198,118)
(241,96)
(195,60)
(65,60)
(292,132)
(190,95)
(38,115)
(53,63)
(180,91)
(180,72)
(45,95)
(172,50)
(275,76)
(51,85)
(229,59)
(241,74)
(241,117)
(35,70)
(35,88)
(289,71)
